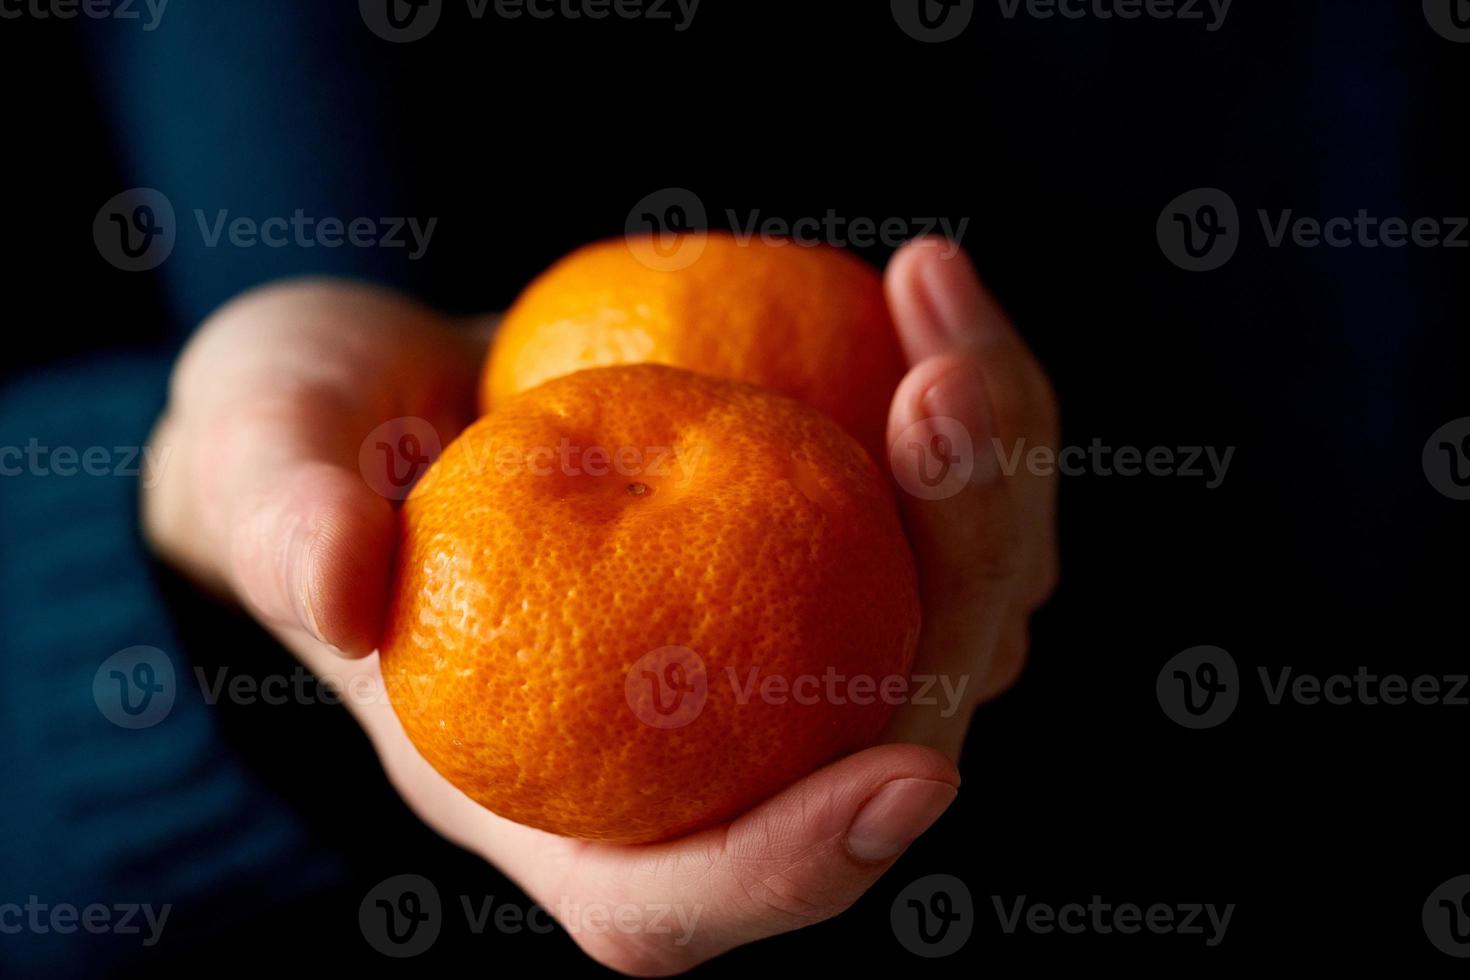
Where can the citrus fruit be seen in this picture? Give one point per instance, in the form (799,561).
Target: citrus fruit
(634,601)
(808,321)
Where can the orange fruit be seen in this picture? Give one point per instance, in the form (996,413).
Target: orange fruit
(636,600)
(806,321)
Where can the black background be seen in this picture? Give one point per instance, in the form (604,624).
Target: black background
(1325,548)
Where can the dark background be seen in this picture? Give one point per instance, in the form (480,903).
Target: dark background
(1325,549)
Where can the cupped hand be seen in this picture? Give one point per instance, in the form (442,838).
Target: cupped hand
(263,499)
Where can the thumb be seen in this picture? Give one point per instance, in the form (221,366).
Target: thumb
(311,550)
(804,855)
(254,505)
(273,492)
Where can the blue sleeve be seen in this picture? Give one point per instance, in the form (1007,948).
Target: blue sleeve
(167,813)
(253,112)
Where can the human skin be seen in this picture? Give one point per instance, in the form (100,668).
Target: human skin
(262,500)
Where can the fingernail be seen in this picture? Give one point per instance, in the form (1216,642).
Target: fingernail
(896,816)
(959,394)
(298,575)
(952,288)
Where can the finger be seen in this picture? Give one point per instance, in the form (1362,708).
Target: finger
(938,302)
(964,535)
(940,306)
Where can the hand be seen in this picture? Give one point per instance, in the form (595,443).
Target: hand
(263,498)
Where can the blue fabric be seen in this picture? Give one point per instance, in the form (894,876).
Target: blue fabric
(257,111)
(165,815)
(246,111)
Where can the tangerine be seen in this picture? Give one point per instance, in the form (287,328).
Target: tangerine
(809,321)
(634,601)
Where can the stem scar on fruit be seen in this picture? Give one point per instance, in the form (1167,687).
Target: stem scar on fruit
(637,489)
